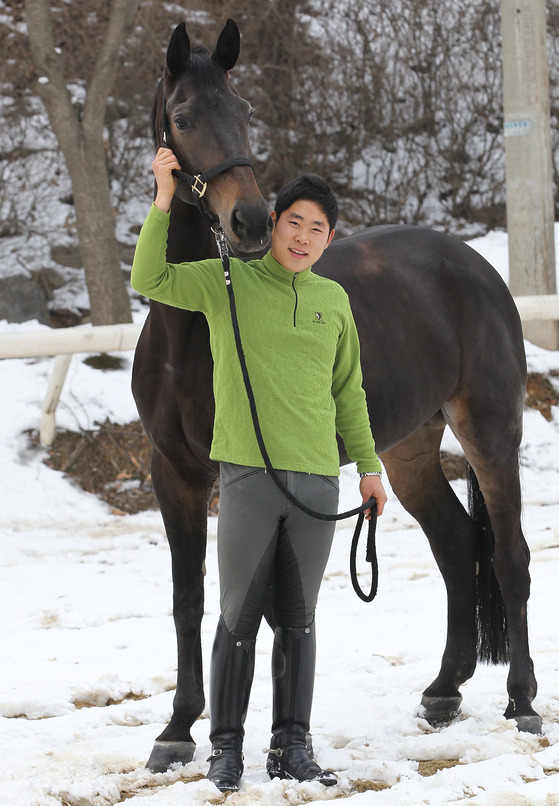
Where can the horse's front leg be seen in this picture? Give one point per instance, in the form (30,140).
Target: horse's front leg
(183,506)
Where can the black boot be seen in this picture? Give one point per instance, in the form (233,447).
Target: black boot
(231,672)
(293,662)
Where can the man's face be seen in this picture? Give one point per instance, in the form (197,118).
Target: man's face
(300,236)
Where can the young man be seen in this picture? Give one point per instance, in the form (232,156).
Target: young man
(302,351)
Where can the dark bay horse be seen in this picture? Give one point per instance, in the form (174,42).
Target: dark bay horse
(441,346)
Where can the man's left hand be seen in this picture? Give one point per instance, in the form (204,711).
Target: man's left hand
(371,487)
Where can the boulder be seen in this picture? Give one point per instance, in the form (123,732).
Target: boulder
(22,299)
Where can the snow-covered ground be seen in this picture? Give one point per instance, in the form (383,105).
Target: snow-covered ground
(88,645)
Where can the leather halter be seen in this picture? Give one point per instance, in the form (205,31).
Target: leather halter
(198,183)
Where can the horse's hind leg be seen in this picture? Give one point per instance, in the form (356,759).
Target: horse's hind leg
(493,455)
(184,510)
(417,478)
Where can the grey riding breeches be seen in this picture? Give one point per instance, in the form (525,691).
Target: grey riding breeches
(268,547)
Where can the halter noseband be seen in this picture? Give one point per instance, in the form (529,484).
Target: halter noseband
(199,182)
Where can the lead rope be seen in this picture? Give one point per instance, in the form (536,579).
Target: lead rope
(370,504)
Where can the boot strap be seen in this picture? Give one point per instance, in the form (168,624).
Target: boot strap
(281,750)
(219,752)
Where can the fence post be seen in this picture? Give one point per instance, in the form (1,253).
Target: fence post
(528,159)
(48,413)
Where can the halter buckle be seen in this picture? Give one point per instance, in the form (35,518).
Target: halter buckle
(199,187)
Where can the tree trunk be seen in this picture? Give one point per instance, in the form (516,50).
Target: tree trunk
(108,295)
(81,142)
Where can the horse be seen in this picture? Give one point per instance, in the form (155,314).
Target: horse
(441,345)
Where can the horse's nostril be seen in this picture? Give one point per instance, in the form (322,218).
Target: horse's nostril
(238,224)
(251,224)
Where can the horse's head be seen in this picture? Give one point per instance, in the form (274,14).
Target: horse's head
(205,122)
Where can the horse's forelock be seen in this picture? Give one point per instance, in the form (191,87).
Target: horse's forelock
(201,49)
(203,69)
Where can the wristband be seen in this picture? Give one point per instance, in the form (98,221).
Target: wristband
(374,473)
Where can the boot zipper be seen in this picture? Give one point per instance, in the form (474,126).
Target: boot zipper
(296,301)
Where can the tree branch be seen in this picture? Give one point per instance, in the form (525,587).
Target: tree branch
(50,82)
(120,21)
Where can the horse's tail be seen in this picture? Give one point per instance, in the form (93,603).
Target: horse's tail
(492,637)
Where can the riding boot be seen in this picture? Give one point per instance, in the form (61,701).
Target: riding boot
(290,754)
(231,673)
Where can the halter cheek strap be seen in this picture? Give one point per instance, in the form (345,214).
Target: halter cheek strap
(198,183)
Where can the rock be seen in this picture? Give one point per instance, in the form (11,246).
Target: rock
(68,256)
(21,299)
(65,317)
(51,279)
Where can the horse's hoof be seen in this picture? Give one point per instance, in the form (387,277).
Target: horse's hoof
(529,724)
(439,711)
(164,754)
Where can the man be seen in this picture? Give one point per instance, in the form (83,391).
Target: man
(302,352)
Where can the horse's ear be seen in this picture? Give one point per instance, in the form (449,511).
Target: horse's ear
(178,52)
(228,46)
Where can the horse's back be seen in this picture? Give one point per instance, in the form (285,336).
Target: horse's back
(420,263)
(434,318)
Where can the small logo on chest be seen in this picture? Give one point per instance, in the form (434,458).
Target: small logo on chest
(318,318)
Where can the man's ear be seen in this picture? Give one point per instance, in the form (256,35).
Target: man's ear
(274,217)
(332,231)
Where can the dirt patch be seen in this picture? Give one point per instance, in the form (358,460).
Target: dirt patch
(368,786)
(433,766)
(454,466)
(96,703)
(541,394)
(113,462)
(153,785)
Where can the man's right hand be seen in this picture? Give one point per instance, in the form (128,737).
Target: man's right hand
(163,166)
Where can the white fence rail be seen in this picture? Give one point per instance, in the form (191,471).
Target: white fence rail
(69,340)
(64,342)
(545,306)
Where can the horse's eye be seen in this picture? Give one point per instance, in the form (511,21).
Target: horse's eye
(181,122)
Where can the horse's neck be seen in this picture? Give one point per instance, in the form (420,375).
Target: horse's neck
(175,330)
(190,236)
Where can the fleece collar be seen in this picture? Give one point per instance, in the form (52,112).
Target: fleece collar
(275,268)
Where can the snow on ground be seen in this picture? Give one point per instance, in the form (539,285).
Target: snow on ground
(88,646)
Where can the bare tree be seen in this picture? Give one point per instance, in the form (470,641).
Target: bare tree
(396,102)
(79,132)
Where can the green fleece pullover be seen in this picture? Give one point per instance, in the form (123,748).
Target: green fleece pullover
(301,348)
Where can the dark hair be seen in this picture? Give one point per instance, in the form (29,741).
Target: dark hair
(309,187)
